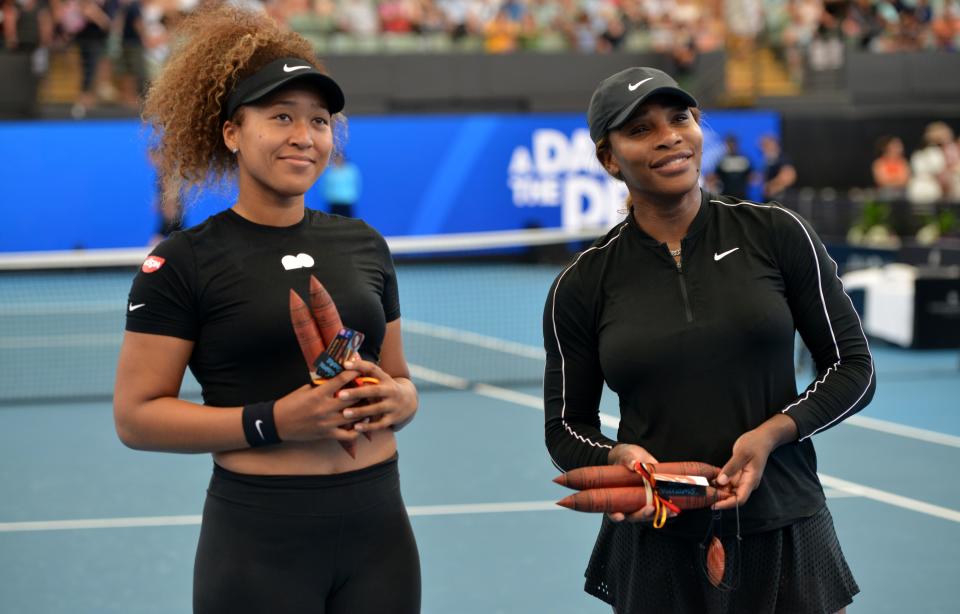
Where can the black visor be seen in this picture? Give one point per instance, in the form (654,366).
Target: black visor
(279,73)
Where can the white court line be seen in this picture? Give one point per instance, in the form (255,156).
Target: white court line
(98,523)
(436,377)
(903,430)
(482,508)
(474,339)
(187,520)
(58,341)
(61,309)
(194,519)
(890,499)
(833,493)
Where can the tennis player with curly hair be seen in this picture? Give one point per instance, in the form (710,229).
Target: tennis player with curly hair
(291,523)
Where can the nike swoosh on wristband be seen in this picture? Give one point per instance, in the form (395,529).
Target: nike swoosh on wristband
(293,68)
(259,430)
(133,307)
(717,256)
(633,86)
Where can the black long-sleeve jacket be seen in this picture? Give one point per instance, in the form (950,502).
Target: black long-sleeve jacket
(702,352)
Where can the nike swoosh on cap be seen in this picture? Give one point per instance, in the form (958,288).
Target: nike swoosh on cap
(133,307)
(293,68)
(633,86)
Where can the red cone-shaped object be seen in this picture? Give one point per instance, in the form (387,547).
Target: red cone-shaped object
(614,476)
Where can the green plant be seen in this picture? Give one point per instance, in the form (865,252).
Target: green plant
(874,214)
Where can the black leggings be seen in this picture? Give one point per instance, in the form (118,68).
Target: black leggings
(333,544)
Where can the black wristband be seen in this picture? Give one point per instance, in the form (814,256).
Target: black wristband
(258,425)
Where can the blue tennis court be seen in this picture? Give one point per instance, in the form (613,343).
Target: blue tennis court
(87,525)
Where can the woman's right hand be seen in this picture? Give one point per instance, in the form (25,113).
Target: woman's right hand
(628,454)
(314,412)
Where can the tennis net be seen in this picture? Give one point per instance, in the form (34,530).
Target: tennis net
(471,306)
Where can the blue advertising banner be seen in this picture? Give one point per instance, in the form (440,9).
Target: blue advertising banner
(89,184)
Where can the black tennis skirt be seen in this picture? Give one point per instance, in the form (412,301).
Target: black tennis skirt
(798,569)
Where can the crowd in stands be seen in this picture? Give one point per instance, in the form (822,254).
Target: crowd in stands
(122,42)
(679,27)
(817,32)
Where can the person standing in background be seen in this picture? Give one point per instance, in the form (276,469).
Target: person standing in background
(732,175)
(91,38)
(130,62)
(26,33)
(341,185)
(891,169)
(778,171)
(935,168)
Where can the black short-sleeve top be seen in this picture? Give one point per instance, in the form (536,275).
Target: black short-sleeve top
(225,285)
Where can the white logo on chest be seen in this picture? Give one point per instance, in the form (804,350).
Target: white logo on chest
(300,261)
(717,256)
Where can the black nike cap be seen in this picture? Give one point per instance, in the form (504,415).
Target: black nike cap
(619,95)
(279,73)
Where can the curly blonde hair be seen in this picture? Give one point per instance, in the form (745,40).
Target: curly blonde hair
(216,49)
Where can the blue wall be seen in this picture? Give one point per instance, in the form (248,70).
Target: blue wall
(89,184)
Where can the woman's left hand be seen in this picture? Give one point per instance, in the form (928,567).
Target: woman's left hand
(391,404)
(751,450)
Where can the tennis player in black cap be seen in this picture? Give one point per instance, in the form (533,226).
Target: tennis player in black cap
(292,523)
(688,310)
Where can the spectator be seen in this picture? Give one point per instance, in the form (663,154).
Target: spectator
(911,31)
(159,25)
(891,169)
(683,51)
(26,33)
(456,13)
(922,11)
(395,17)
(613,33)
(709,35)
(27,26)
(935,168)
(744,20)
(27,30)
(732,175)
(341,185)
(91,39)
(432,19)
(826,49)
(862,23)
(132,68)
(945,27)
(359,17)
(891,38)
(778,171)
(501,35)
(803,20)
(529,36)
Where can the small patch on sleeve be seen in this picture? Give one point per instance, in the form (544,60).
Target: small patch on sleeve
(152,264)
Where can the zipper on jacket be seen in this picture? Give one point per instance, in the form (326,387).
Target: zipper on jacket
(683,291)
